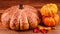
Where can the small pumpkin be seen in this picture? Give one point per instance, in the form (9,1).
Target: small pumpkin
(51,21)
(20,17)
(49,9)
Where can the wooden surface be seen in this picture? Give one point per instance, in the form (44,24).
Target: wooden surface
(8,31)
(6,4)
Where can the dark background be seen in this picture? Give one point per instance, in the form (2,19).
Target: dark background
(4,4)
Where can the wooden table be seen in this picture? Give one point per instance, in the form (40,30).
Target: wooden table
(8,31)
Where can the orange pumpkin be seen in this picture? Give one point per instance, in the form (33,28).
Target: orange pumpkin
(20,17)
(51,21)
(49,9)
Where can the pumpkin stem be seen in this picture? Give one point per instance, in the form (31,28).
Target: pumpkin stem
(21,6)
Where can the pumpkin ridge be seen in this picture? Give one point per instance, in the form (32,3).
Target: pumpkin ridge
(14,22)
(25,20)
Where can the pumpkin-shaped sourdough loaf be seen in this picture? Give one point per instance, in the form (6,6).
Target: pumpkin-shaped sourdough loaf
(49,9)
(20,17)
